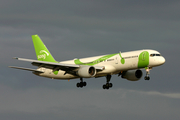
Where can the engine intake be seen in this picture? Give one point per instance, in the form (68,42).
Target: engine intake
(86,71)
(132,75)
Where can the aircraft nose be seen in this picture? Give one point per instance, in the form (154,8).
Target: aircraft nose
(162,60)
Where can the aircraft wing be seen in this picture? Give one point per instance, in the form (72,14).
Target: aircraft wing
(56,66)
(29,69)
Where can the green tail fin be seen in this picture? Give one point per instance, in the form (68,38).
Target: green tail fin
(42,52)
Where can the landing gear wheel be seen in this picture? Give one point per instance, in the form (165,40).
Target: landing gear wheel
(78,85)
(147,78)
(81,84)
(110,85)
(104,86)
(107,85)
(84,83)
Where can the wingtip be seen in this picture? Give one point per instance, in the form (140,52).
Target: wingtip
(11,66)
(15,58)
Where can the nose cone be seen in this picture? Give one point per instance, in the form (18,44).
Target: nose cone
(162,60)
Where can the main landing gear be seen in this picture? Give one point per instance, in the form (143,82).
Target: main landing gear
(147,73)
(81,84)
(107,85)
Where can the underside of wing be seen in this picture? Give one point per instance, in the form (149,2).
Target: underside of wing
(29,69)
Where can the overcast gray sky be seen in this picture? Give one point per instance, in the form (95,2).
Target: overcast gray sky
(80,28)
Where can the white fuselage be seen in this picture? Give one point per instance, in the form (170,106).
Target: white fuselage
(113,65)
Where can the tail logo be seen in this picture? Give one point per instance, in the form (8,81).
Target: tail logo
(43,55)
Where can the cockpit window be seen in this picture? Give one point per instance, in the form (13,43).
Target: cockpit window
(152,55)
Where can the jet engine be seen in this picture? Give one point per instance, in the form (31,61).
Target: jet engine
(86,71)
(132,75)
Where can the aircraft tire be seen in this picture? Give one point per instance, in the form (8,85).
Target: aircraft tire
(81,84)
(110,85)
(84,83)
(147,78)
(78,85)
(106,86)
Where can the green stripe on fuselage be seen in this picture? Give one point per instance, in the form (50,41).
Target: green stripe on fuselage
(78,62)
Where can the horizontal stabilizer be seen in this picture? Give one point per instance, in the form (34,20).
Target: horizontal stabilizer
(29,69)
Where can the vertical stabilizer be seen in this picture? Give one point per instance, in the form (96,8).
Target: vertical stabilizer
(42,52)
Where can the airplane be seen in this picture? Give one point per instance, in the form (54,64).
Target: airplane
(128,65)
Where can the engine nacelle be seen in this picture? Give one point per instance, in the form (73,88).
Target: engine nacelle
(132,75)
(86,71)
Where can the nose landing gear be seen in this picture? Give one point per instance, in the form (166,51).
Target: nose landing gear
(147,73)
(146,78)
